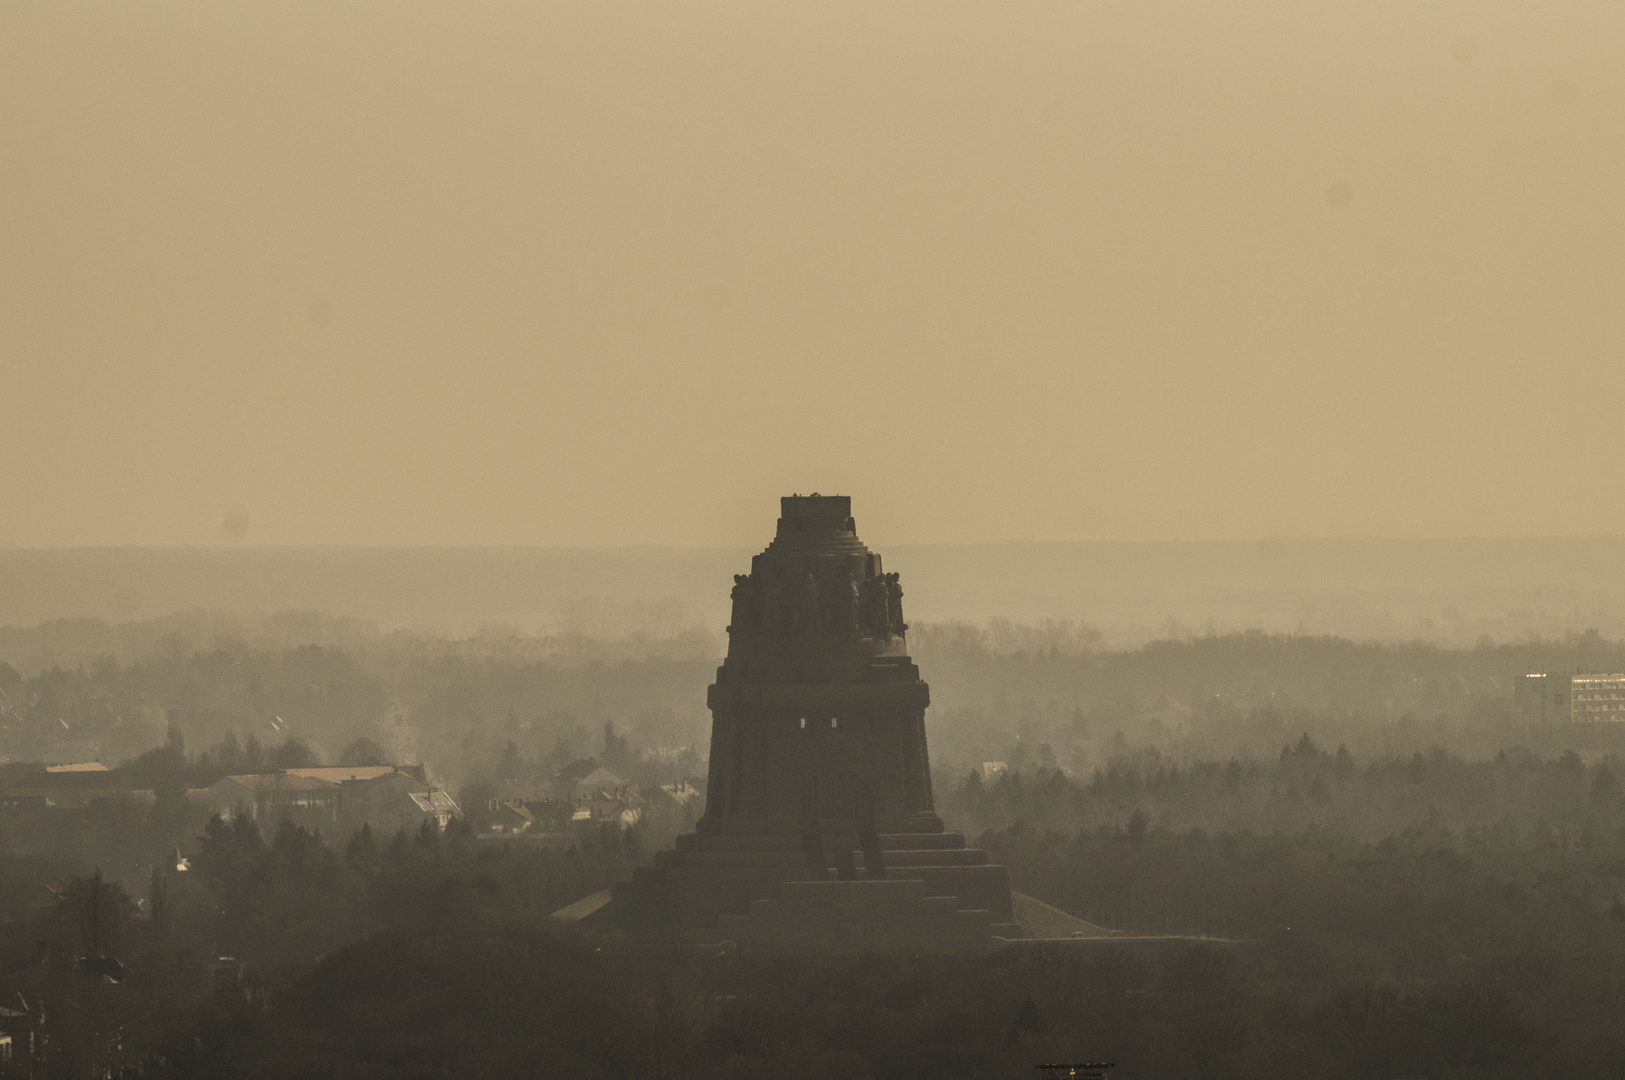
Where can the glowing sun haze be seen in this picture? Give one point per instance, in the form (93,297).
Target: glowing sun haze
(602,273)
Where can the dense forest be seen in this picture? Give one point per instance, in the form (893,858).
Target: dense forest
(1006,692)
(1487,950)
(1369,864)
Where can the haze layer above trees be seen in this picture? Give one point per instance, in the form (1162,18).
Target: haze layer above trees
(1030,695)
(1446,591)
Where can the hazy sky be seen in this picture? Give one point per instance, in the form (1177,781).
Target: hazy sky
(599,272)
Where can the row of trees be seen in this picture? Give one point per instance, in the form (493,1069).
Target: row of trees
(1521,983)
(112,711)
(1002,696)
(1304,787)
(456,705)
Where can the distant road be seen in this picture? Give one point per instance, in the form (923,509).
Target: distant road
(1443,590)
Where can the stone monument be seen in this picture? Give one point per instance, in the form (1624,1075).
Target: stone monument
(819,826)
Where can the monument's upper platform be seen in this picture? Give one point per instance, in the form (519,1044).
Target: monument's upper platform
(816,606)
(817,524)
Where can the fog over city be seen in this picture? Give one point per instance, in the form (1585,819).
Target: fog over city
(835,540)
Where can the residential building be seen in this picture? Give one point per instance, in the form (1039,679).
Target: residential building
(599,780)
(681,795)
(509,817)
(67,787)
(1582,698)
(383,802)
(435,806)
(603,796)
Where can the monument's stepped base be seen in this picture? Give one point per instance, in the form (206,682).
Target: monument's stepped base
(862,914)
(766,887)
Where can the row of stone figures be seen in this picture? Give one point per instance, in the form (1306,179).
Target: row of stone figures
(765,605)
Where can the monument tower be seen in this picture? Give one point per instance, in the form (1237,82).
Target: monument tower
(819,824)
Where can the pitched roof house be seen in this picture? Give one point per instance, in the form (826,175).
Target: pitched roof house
(435,805)
(600,779)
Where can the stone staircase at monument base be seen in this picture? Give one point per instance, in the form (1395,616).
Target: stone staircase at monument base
(930,889)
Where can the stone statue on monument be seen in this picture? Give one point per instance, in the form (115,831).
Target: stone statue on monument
(744,606)
(894,604)
(879,604)
(808,612)
(851,605)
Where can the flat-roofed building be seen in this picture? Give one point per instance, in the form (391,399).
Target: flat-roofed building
(340,774)
(267,796)
(1582,698)
(1597,698)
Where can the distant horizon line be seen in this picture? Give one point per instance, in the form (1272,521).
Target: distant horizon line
(8,549)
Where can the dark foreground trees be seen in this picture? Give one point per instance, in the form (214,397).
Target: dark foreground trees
(110,987)
(524,999)
(1471,943)
(1407,958)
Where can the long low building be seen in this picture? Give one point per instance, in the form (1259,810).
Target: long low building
(338,798)
(268,796)
(384,797)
